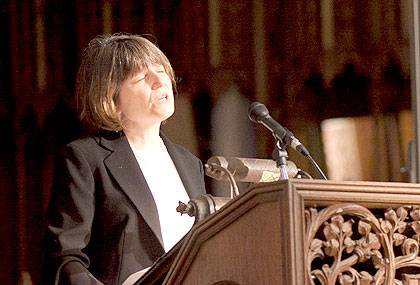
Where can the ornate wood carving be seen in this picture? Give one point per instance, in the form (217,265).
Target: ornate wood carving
(351,244)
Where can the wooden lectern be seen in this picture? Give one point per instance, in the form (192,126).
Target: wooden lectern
(305,232)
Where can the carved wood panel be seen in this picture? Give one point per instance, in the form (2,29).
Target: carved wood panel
(351,244)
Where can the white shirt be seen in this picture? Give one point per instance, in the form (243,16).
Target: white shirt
(167,189)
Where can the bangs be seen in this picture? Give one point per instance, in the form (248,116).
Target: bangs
(131,57)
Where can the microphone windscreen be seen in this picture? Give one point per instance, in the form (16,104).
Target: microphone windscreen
(257,111)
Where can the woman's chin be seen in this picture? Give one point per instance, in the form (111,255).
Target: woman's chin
(168,115)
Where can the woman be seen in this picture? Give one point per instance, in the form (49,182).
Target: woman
(113,208)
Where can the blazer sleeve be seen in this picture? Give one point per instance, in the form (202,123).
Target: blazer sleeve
(70,216)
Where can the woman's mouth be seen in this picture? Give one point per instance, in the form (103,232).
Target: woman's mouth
(163,98)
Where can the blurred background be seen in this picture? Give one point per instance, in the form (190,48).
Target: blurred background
(334,72)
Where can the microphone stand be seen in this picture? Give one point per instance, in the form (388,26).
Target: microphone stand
(281,159)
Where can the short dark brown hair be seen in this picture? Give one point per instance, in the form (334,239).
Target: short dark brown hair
(107,61)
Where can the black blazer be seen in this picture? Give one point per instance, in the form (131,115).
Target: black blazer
(102,218)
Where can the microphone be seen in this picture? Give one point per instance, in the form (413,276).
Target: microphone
(258,113)
(247,169)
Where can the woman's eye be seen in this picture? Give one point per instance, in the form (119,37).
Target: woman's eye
(158,68)
(140,78)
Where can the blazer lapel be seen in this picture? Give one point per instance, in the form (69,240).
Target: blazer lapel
(123,166)
(183,166)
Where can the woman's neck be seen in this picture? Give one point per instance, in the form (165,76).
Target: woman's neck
(141,138)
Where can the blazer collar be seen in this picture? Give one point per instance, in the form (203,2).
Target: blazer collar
(181,165)
(123,166)
(118,141)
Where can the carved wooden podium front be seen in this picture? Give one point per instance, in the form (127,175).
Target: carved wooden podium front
(307,232)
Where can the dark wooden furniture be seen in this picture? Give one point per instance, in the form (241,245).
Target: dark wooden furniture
(306,232)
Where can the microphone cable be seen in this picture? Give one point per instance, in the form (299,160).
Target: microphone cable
(313,162)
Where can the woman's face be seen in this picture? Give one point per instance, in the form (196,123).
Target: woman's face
(147,97)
